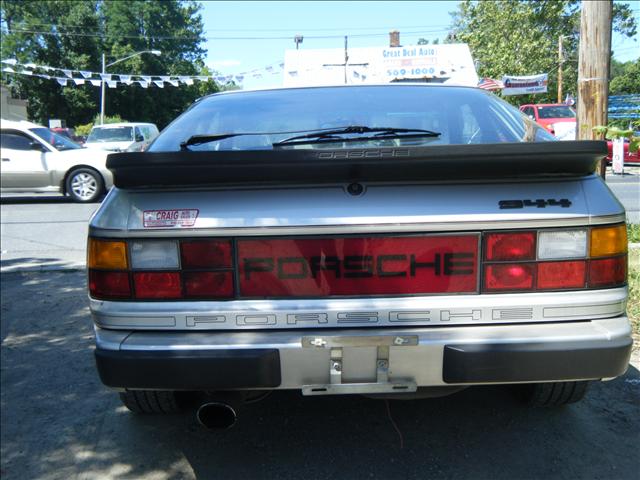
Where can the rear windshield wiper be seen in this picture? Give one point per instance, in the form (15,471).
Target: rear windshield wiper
(317,136)
(335,135)
(199,139)
(214,137)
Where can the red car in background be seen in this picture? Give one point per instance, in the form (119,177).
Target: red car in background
(69,133)
(554,117)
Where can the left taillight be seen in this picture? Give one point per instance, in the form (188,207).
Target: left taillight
(160,269)
(108,265)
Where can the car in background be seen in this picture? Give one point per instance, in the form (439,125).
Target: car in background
(70,133)
(630,157)
(558,119)
(36,159)
(121,137)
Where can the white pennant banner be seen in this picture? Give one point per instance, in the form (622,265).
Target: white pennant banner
(80,77)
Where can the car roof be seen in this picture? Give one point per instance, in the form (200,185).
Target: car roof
(123,124)
(19,125)
(368,85)
(546,105)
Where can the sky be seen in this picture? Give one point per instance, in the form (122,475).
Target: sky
(241,34)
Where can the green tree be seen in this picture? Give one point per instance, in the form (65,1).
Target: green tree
(509,37)
(625,78)
(46,98)
(75,34)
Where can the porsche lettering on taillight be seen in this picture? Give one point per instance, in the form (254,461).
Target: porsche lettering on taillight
(358,266)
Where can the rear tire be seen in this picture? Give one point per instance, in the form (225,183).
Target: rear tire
(84,185)
(551,394)
(150,401)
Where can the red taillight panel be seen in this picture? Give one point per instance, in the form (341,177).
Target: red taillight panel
(556,275)
(206,254)
(510,246)
(218,269)
(509,276)
(161,285)
(358,266)
(208,284)
(608,272)
(109,285)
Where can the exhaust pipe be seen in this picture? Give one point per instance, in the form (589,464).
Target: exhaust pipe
(219,412)
(216,416)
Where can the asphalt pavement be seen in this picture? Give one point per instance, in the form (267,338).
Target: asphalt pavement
(43,232)
(627,188)
(59,422)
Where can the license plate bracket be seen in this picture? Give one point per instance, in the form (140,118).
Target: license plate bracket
(383,383)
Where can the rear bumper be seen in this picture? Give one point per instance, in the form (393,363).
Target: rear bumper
(500,362)
(190,369)
(462,355)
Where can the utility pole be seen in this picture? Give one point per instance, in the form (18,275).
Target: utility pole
(104,71)
(593,68)
(346,61)
(346,58)
(560,61)
(102,90)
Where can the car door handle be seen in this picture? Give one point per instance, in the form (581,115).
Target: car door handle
(6,160)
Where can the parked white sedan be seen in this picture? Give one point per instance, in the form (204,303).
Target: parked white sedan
(35,159)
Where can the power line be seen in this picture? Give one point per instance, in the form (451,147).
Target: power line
(62,28)
(161,37)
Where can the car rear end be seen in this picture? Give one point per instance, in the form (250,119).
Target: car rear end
(380,272)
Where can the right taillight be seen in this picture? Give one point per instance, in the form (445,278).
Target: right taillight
(570,259)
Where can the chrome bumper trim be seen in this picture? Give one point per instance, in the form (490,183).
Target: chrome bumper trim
(327,313)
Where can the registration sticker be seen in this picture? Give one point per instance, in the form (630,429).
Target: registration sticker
(170,218)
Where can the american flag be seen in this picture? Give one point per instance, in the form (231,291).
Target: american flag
(490,84)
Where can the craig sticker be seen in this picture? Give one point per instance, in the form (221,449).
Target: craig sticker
(170,218)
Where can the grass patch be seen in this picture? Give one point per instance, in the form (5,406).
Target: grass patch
(633,232)
(633,305)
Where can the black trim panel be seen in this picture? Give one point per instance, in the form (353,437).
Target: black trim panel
(532,362)
(189,369)
(287,166)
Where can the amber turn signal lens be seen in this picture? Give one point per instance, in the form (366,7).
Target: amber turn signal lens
(606,241)
(107,254)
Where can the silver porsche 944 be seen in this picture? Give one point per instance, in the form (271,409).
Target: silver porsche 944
(387,240)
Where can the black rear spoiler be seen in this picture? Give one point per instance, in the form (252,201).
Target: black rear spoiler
(288,166)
